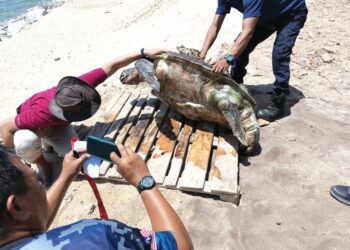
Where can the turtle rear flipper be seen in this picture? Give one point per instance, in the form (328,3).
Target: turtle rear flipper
(146,70)
(233,118)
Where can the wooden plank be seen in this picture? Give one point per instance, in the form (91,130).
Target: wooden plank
(193,176)
(113,113)
(128,122)
(207,184)
(117,124)
(113,102)
(164,147)
(137,131)
(151,131)
(132,118)
(121,117)
(105,165)
(179,157)
(225,167)
(100,128)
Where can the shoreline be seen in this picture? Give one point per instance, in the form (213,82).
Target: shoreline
(12,26)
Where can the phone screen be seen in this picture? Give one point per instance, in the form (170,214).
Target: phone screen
(101,148)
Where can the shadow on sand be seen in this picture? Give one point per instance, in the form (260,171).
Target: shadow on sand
(261,93)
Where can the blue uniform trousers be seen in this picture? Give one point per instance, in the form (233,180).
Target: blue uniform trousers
(287,27)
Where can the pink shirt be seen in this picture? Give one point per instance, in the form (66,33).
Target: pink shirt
(34,112)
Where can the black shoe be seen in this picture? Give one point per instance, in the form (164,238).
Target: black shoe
(275,108)
(341,193)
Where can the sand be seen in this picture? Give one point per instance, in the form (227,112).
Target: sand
(285,188)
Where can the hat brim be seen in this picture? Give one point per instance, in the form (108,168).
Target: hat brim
(87,112)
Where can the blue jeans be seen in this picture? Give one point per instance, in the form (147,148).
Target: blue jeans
(287,27)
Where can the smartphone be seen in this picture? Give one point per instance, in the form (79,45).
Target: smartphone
(101,148)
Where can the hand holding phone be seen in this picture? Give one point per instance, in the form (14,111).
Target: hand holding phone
(130,165)
(101,148)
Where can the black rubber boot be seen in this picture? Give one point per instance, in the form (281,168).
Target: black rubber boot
(275,108)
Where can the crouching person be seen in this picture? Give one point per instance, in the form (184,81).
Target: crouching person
(43,120)
(27,210)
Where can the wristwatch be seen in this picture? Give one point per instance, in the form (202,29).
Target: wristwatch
(142,52)
(230,59)
(147,182)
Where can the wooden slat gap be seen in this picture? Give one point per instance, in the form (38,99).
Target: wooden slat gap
(118,121)
(139,128)
(131,119)
(184,158)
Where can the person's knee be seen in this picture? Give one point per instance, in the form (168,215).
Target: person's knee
(27,145)
(59,138)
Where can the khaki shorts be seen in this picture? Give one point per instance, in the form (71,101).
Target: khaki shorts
(29,143)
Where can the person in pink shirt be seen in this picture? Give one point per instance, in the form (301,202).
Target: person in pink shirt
(43,120)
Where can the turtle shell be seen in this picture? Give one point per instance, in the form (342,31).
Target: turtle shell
(206,70)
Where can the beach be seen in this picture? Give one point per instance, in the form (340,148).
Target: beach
(285,201)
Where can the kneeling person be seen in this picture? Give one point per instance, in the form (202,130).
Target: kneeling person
(44,119)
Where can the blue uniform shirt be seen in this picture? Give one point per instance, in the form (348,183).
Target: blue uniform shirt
(96,234)
(266,10)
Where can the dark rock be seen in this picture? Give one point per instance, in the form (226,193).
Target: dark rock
(92,209)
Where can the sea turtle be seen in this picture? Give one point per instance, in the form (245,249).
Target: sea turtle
(187,84)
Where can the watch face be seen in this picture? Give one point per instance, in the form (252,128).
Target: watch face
(229,57)
(147,182)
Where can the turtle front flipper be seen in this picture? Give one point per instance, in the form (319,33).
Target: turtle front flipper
(227,101)
(146,70)
(234,120)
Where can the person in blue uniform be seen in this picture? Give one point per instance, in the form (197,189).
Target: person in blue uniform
(261,19)
(27,210)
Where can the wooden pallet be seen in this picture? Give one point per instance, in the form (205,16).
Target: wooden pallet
(198,157)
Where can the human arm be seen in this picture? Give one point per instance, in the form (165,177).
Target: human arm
(70,169)
(212,34)
(111,67)
(163,218)
(7,129)
(248,27)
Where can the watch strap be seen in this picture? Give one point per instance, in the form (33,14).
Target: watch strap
(139,188)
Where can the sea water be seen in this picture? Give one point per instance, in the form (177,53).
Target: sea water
(17,14)
(12,8)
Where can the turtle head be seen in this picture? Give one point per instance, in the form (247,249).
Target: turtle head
(130,76)
(188,51)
